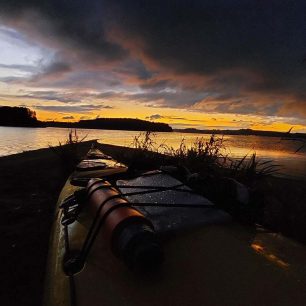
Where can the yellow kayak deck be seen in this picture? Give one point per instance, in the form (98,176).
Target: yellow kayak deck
(215,265)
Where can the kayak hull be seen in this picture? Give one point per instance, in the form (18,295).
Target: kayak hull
(213,264)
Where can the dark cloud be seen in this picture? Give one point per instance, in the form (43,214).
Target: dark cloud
(12,80)
(49,95)
(157,84)
(134,68)
(38,73)
(25,68)
(55,69)
(76,80)
(87,79)
(49,73)
(52,96)
(77,23)
(68,117)
(209,36)
(158,116)
(168,98)
(107,94)
(155,117)
(71,108)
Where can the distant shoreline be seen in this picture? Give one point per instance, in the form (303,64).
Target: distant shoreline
(91,124)
(245,132)
(240,132)
(25,117)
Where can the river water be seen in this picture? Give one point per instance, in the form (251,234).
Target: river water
(16,140)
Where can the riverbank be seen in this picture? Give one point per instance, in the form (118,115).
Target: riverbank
(30,185)
(29,188)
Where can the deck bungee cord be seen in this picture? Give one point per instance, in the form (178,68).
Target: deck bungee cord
(72,206)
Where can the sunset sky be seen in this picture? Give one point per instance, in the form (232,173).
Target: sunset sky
(204,64)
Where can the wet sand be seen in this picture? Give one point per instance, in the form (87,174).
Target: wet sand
(29,187)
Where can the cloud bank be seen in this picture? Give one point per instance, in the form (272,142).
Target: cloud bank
(244,57)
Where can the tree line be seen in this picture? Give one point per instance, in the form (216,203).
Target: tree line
(25,117)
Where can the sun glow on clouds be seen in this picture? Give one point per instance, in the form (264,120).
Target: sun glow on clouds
(136,69)
(177,118)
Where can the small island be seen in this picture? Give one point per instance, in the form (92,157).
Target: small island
(127,124)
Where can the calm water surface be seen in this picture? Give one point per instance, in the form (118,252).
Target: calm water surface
(16,140)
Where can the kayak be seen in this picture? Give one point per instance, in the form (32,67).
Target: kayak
(148,239)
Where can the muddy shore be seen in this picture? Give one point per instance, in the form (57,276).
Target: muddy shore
(29,186)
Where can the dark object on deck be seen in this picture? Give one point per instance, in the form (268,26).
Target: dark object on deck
(130,234)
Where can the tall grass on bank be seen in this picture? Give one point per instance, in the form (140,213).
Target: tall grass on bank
(206,157)
(145,142)
(201,155)
(145,153)
(69,152)
(247,169)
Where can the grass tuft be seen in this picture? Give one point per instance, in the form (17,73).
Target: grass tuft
(206,157)
(201,156)
(68,152)
(249,169)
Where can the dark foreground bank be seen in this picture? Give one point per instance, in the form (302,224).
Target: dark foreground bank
(29,187)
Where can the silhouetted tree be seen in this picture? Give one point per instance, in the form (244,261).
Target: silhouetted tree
(18,116)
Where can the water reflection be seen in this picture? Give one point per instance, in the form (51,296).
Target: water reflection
(16,140)
(269,256)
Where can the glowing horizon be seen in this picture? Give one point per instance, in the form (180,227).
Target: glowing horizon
(187,77)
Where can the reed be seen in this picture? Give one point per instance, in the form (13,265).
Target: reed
(249,169)
(207,155)
(202,156)
(69,151)
(301,141)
